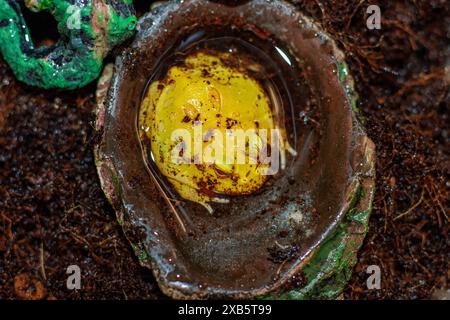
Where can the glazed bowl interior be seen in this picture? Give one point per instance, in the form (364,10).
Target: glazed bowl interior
(255,243)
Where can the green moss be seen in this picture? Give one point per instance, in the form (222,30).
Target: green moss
(347,83)
(140,253)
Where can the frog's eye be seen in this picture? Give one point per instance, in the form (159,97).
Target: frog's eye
(231,151)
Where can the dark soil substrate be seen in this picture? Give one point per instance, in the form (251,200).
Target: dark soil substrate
(53,213)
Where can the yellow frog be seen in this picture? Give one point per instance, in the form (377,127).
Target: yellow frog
(194,119)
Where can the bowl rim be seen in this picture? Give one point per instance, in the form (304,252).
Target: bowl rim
(113,179)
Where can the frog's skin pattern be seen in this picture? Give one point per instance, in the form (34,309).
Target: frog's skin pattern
(89,29)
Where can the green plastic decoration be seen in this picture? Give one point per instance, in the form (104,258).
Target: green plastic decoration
(89,29)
